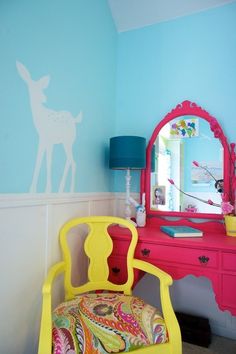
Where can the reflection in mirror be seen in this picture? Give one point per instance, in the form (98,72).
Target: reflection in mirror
(187,153)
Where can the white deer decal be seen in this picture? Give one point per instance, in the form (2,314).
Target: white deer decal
(53,128)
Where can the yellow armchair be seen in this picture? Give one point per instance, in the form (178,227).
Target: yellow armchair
(100,316)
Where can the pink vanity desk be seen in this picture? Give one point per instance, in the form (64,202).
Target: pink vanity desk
(212,256)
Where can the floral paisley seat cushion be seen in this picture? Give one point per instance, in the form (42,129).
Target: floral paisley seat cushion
(106,323)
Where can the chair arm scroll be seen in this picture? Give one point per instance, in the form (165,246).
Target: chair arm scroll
(54,271)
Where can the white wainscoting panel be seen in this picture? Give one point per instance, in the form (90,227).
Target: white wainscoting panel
(23,258)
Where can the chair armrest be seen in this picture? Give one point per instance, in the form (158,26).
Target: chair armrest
(167,309)
(45,338)
(164,277)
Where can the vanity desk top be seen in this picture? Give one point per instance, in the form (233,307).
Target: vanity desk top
(214,236)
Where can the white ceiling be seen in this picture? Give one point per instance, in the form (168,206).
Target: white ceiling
(131,14)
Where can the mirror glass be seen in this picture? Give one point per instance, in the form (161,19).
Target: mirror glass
(186,167)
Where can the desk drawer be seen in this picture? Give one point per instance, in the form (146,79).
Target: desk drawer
(118,270)
(191,256)
(229,261)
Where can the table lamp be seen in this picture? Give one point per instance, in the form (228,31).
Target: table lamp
(127,153)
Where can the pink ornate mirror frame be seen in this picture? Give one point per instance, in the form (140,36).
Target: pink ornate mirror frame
(188,108)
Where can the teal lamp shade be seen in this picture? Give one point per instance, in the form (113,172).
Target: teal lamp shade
(127,152)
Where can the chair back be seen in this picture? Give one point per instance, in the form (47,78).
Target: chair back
(98,247)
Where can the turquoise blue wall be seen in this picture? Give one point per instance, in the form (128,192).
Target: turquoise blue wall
(75,42)
(159,66)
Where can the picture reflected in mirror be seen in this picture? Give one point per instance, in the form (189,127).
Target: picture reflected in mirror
(159,195)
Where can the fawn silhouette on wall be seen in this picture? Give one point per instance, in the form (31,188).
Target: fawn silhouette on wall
(53,127)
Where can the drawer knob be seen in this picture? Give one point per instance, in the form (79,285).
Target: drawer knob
(203,259)
(115,270)
(145,252)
